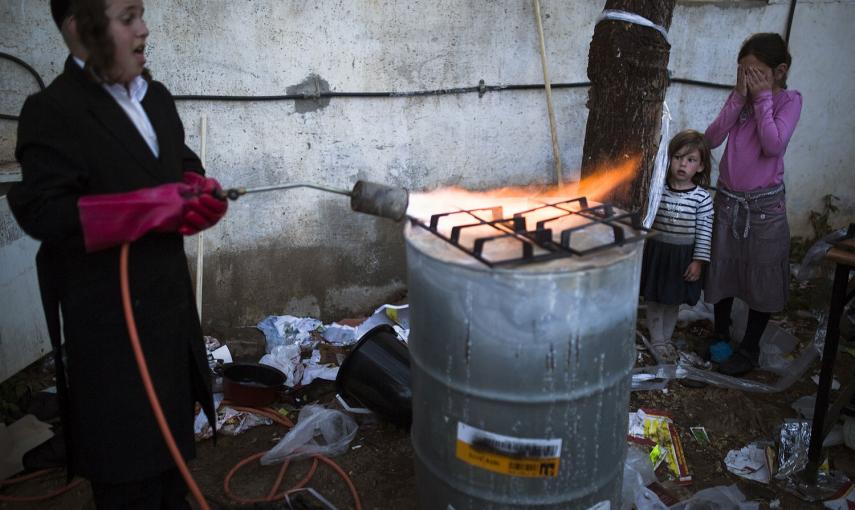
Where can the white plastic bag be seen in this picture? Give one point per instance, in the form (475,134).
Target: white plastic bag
(286,358)
(637,475)
(717,498)
(319,431)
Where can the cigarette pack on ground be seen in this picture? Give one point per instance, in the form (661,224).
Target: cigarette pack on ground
(652,427)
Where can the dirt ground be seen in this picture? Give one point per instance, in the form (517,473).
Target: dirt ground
(380,460)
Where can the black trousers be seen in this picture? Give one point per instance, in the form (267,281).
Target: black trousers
(754,329)
(166,491)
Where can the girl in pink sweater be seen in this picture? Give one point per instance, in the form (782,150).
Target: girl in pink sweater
(751,237)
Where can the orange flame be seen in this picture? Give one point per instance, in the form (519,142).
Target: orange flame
(514,199)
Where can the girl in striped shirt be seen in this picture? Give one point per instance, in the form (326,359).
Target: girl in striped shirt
(674,258)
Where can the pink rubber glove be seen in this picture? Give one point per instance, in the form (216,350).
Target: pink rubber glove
(112,219)
(203,210)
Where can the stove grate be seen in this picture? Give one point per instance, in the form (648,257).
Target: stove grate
(539,244)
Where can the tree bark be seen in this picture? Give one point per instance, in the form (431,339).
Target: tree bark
(628,70)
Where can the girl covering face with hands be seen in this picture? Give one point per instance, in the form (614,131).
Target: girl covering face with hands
(751,237)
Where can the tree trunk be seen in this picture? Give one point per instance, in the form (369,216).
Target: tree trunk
(628,69)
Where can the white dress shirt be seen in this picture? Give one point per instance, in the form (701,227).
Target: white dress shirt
(130,100)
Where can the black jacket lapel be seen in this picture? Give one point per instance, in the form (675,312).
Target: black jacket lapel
(160,121)
(113,118)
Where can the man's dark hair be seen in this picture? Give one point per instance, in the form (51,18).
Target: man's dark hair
(59,10)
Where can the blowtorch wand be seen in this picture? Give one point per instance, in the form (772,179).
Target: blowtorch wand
(365,197)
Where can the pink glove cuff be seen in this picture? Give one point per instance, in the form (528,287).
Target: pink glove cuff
(112,219)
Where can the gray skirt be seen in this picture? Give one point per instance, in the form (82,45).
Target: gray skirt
(750,249)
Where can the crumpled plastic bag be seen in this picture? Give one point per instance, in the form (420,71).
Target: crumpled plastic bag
(287,329)
(723,497)
(816,253)
(637,475)
(319,431)
(286,358)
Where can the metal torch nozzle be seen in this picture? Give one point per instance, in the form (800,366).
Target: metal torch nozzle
(366,197)
(379,200)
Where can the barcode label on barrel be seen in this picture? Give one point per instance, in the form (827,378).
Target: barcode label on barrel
(508,455)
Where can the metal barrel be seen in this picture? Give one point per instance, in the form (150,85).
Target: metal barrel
(521,377)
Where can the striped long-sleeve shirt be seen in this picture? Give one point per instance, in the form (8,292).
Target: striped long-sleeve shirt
(686,217)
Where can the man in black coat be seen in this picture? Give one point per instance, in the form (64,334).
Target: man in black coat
(77,144)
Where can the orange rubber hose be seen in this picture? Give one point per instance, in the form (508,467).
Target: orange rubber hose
(149,387)
(31,499)
(272,496)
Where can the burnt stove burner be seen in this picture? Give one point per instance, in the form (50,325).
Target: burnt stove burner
(540,243)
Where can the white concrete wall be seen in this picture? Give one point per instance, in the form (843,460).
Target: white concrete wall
(302,252)
(23,332)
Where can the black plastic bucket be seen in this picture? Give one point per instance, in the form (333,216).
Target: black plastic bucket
(377,374)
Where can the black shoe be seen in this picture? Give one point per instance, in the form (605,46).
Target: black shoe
(740,363)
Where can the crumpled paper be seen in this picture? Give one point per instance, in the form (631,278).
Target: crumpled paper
(230,422)
(749,462)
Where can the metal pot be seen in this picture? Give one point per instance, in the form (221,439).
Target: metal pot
(252,384)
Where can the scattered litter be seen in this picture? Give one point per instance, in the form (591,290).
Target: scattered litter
(338,334)
(17,439)
(776,346)
(816,253)
(722,497)
(805,406)
(650,427)
(637,475)
(667,497)
(829,484)
(222,354)
(356,447)
(834,437)
(286,358)
(211,343)
(396,316)
(315,370)
(751,462)
(700,435)
(287,329)
(288,336)
(229,421)
(656,377)
(334,428)
(846,501)
(700,311)
(775,504)
(352,410)
(835,384)
(688,358)
(793,447)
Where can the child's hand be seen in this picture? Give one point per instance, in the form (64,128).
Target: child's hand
(741,89)
(758,80)
(693,272)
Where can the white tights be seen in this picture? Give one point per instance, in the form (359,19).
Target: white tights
(661,321)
